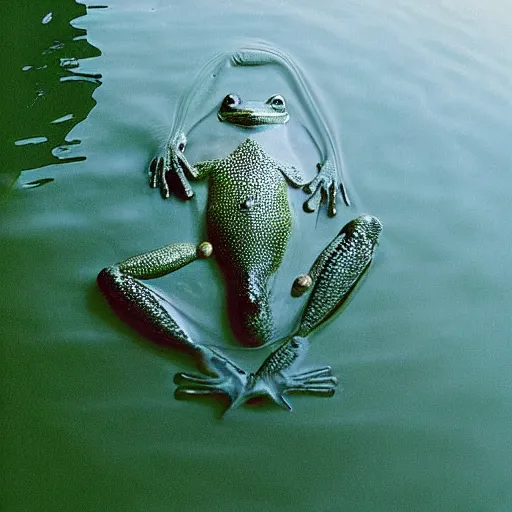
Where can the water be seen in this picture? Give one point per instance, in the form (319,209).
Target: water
(419,97)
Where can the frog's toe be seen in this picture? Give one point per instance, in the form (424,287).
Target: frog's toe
(157,177)
(314,200)
(331,209)
(196,379)
(222,377)
(192,384)
(324,371)
(153,177)
(320,388)
(318,381)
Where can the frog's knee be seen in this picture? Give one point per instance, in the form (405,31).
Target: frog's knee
(107,277)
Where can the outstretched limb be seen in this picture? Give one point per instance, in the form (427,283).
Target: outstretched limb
(140,306)
(172,170)
(145,310)
(333,276)
(336,271)
(325,185)
(220,376)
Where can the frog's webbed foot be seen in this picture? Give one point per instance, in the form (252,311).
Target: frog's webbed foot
(276,377)
(279,374)
(168,171)
(221,376)
(325,185)
(319,381)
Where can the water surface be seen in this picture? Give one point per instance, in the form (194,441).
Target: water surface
(419,98)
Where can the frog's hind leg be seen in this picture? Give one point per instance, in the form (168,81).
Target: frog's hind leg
(145,310)
(337,270)
(332,277)
(140,306)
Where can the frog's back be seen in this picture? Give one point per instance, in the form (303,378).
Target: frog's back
(249,224)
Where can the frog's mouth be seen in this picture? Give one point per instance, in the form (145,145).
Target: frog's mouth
(248,117)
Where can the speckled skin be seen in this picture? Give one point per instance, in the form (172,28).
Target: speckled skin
(137,304)
(338,268)
(249,223)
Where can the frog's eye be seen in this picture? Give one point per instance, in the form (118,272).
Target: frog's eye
(231,100)
(277,103)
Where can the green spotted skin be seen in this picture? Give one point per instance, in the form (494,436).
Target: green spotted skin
(136,304)
(288,354)
(249,223)
(159,262)
(338,268)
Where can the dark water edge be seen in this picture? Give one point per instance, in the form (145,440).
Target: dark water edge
(44,93)
(419,95)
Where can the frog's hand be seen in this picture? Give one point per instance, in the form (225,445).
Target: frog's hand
(221,376)
(325,185)
(279,374)
(171,171)
(337,270)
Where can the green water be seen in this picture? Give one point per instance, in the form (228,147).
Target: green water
(419,96)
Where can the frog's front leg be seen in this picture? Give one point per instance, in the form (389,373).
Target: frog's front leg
(172,170)
(325,186)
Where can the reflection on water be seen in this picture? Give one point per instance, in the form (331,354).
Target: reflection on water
(47,92)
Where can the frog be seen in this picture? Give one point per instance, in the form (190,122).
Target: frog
(249,223)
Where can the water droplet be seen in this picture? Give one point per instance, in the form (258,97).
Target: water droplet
(47,18)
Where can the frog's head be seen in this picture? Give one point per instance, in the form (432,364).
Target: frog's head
(253,113)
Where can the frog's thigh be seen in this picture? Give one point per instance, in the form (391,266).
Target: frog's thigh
(140,306)
(336,271)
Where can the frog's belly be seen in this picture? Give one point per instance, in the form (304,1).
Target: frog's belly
(249,230)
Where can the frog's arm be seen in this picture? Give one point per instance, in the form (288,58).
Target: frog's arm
(329,179)
(292,174)
(175,171)
(146,310)
(172,164)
